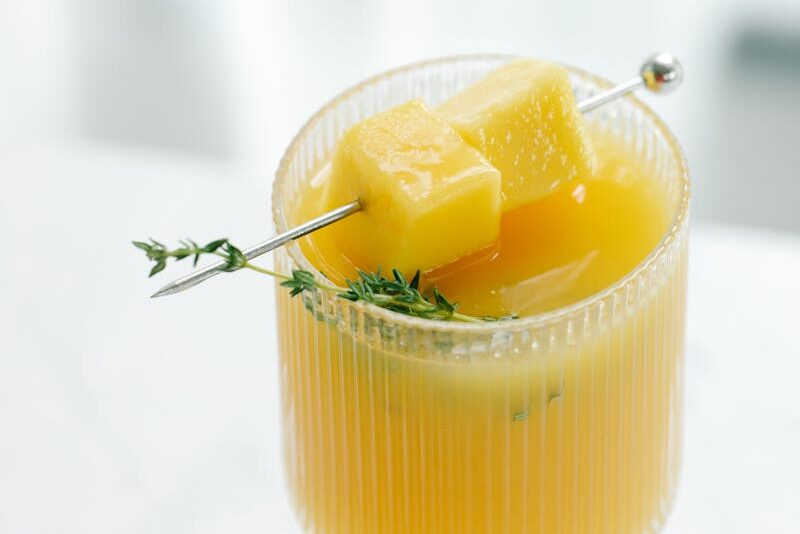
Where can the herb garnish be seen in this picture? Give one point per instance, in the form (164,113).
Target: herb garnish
(396,293)
(520,416)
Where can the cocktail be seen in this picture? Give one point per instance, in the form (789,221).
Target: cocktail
(518,365)
(564,419)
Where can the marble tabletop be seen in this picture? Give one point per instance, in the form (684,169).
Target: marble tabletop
(128,415)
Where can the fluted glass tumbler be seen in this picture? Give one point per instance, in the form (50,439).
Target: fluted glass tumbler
(564,422)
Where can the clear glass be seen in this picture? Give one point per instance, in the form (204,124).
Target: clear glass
(568,421)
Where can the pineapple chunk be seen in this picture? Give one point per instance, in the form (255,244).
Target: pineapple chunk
(428,197)
(523,118)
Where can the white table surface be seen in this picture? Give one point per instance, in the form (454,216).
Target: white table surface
(123,414)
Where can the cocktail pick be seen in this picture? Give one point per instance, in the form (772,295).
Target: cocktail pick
(660,73)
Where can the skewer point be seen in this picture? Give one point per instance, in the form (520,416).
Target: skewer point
(168,289)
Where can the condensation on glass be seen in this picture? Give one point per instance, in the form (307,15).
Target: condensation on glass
(565,422)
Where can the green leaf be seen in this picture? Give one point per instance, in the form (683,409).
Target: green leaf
(304,277)
(349,295)
(520,416)
(415,281)
(299,282)
(442,302)
(399,277)
(158,267)
(235,259)
(141,245)
(355,290)
(214,245)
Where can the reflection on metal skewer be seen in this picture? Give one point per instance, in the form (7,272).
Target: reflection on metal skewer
(660,73)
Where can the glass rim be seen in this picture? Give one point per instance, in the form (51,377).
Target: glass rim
(549,317)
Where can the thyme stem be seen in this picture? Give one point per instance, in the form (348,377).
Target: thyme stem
(396,293)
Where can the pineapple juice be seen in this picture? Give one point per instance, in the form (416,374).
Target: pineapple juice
(573,429)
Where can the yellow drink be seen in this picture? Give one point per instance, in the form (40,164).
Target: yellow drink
(566,420)
(551,253)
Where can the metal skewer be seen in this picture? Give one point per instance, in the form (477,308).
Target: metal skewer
(660,73)
(200,275)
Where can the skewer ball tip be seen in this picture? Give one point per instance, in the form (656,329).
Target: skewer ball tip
(662,72)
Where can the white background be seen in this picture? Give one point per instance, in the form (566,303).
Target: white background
(233,80)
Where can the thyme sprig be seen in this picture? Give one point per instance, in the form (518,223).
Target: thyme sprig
(395,293)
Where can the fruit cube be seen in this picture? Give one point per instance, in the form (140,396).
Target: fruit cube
(523,118)
(428,197)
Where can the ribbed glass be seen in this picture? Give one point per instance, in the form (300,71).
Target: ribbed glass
(564,422)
